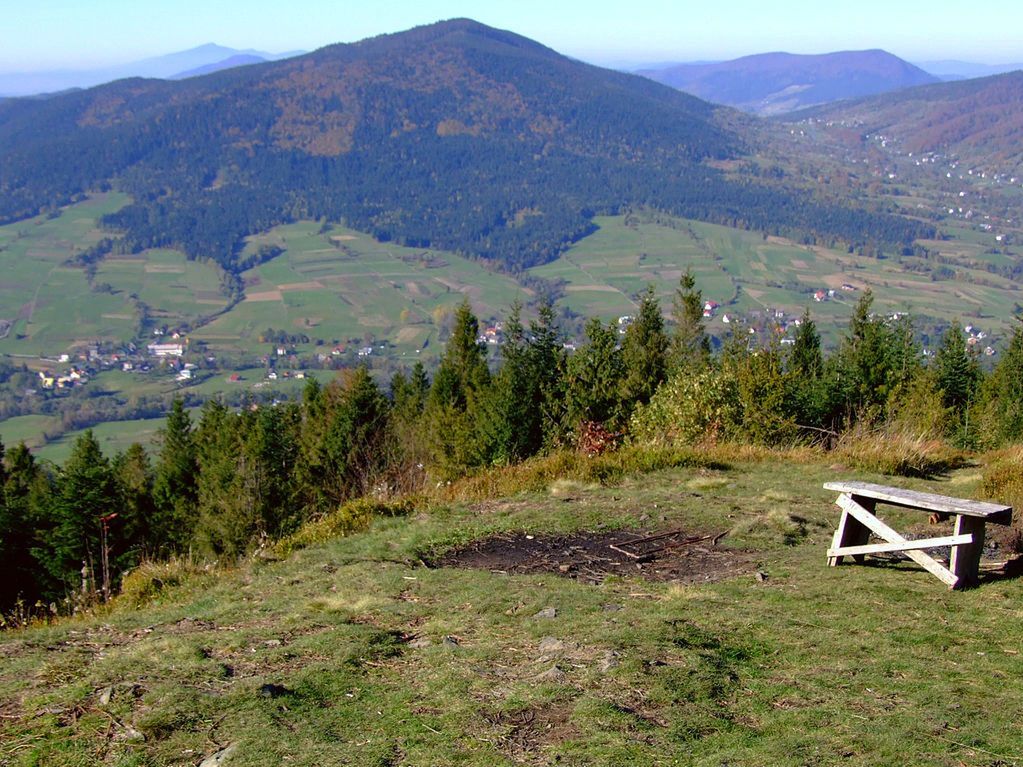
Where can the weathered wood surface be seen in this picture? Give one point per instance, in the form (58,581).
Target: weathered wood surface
(879,528)
(912,499)
(909,545)
(965,560)
(850,532)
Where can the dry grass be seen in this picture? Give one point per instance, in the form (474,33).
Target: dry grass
(897,452)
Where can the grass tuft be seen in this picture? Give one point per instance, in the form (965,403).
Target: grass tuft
(898,453)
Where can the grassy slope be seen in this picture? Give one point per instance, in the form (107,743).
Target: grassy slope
(859,665)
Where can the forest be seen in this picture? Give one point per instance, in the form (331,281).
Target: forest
(454,136)
(238,479)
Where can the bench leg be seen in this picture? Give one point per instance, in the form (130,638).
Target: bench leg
(965,559)
(851,532)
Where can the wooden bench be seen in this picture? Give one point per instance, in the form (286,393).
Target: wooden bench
(858,500)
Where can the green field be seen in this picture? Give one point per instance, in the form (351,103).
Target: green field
(51,306)
(755,276)
(375,650)
(29,429)
(344,286)
(113,437)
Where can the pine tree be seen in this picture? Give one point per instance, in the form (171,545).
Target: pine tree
(175,486)
(456,394)
(690,345)
(594,379)
(74,553)
(133,476)
(644,352)
(958,374)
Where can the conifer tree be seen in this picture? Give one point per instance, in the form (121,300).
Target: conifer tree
(957,372)
(594,379)
(806,360)
(509,417)
(73,551)
(644,352)
(690,345)
(133,477)
(351,451)
(547,358)
(1000,403)
(455,396)
(175,490)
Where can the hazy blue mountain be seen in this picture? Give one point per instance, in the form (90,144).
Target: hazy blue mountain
(963,70)
(163,67)
(241,60)
(774,83)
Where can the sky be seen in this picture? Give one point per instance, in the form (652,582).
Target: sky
(54,34)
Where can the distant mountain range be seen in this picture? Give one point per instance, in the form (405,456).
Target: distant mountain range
(453,135)
(200,60)
(965,70)
(775,83)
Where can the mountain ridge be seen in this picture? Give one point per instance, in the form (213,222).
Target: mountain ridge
(453,135)
(775,83)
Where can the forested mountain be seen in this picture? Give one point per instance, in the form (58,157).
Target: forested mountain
(453,135)
(979,119)
(774,83)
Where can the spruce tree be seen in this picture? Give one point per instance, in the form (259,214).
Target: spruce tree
(133,476)
(644,352)
(86,495)
(1000,403)
(594,379)
(509,420)
(456,394)
(806,360)
(175,487)
(690,345)
(957,371)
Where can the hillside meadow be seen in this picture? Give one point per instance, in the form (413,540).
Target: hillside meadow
(385,647)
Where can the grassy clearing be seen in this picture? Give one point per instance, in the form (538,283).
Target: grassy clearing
(351,651)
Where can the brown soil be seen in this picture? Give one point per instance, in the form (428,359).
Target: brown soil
(588,556)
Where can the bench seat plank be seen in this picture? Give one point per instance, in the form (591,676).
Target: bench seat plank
(913,499)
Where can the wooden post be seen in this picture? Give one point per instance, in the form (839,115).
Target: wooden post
(851,532)
(965,559)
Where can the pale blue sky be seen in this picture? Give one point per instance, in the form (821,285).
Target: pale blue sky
(43,34)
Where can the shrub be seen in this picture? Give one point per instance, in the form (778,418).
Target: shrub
(689,409)
(351,517)
(146,582)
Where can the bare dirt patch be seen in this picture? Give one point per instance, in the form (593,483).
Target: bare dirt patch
(589,556)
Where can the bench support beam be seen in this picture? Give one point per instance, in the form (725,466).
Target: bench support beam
(915,545)
(857,508)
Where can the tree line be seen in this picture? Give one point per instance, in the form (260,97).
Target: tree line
(234,479)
